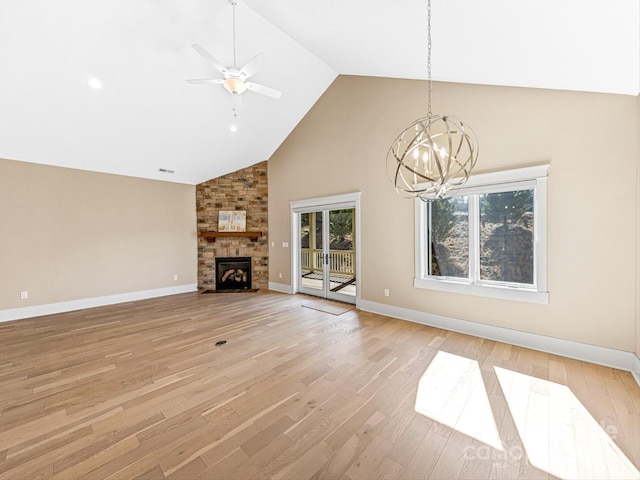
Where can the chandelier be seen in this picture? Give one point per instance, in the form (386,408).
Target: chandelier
(433,157)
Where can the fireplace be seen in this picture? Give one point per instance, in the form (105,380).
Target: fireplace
(233,273)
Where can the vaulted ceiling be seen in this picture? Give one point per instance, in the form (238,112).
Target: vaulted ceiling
(145,118)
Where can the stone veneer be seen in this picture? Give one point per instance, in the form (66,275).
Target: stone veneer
(242,190)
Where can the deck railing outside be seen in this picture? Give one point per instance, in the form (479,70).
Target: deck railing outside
(340,261)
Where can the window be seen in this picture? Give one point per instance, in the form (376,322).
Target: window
(489,239)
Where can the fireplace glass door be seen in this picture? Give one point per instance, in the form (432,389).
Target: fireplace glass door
(327,254)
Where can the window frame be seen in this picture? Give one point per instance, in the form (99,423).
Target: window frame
(495,182)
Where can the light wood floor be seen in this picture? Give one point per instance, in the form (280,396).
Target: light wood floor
(140,390)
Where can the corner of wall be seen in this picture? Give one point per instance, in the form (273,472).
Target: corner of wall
(247,190)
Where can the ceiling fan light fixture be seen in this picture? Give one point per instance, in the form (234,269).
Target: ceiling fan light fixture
(234,86)
(235,79)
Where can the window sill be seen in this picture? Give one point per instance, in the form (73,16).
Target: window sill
(490,291)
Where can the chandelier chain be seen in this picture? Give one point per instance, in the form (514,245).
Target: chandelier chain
(432,159)
(429,55)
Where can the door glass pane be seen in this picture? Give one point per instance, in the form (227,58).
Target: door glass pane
(341,251)
(449,237)
(311,250)
(506,237)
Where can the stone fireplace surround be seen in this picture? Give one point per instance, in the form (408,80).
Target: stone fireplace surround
(246,189)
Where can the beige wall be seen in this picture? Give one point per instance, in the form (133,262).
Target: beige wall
(70,234)
(638,240)
(590,141)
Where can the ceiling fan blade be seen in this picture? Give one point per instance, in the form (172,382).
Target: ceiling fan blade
(262,90)
(200,81)
(210,58)
(251,67)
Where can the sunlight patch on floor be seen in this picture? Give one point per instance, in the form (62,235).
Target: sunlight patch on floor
(452,392)
(558,433)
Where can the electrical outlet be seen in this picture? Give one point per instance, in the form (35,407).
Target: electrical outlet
(386,292)
(24,295)
(175,277)
(285,244)
(280,275)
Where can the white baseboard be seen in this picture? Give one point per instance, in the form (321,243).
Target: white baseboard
(61,307)
(608,357)
(635,370)
(279,287)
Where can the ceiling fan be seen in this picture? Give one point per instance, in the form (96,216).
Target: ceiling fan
(235,79)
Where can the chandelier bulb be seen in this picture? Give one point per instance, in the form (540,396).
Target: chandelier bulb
(450,152)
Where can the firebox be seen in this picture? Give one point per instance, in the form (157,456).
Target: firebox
(233,273)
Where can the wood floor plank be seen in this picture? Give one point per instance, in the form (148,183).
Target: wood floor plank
(140,390)
(388,470)
(364,467)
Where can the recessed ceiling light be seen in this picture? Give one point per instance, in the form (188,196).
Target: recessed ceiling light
(94,83)
(233,128)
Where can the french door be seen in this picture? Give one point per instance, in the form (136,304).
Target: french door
(326,251)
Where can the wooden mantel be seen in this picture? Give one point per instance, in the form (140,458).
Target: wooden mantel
(211,236)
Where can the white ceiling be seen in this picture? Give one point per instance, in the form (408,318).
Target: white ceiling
(146,117)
